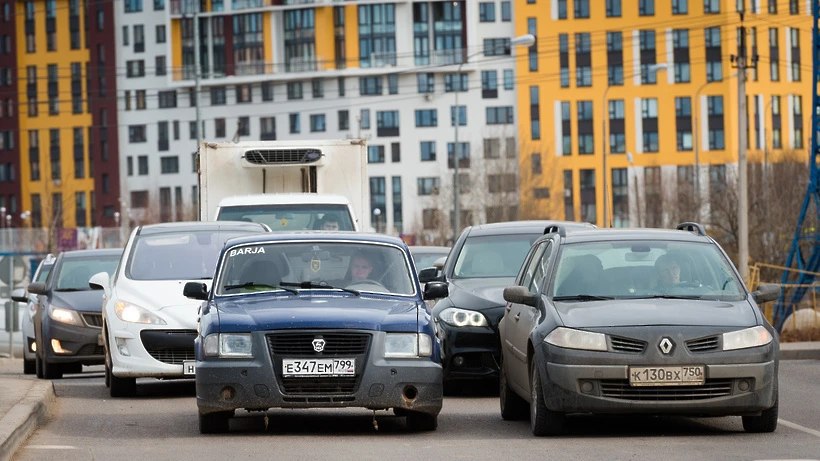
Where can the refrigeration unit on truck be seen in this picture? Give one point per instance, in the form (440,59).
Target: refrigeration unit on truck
(288,185)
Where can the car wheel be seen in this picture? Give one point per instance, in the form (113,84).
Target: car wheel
(766,421)
(513,407)
(543,421)
(52,370)
(38,366)
(421,422)
(214,423)
(29,367)
(107,376)
(400,411)
(73,367)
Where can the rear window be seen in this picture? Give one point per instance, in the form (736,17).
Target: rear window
(293,217)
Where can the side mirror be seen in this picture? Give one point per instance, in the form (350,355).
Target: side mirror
(99,281)
(766,292)
(19,295)
(429,274)
(519,295)
(195,290)
(38,288)
(435,290)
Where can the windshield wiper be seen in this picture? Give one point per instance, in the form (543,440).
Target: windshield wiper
(582,298)
(324,286)
(670,297)
(72,289)
(257,284)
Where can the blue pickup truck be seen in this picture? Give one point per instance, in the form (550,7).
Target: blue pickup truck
(316,320)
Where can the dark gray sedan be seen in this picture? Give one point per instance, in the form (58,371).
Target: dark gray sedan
(635,321)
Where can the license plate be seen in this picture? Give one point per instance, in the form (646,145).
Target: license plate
(689,375)
(318,367)
(188,367)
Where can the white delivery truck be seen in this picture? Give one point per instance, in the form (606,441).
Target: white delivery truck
(288,185)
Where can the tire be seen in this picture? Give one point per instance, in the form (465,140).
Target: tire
(543,421)
(766,421)
(214,423)
(51,370)
(107,376)
(421,422)
(29,367)
(513,407)
(38,366)
(122,387)
(76,367)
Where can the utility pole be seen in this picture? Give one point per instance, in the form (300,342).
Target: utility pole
(196,76)
(743,191)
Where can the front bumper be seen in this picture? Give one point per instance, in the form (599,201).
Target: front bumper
(470,353)
(257,383)
(736,382)
(149,351)
(77,344)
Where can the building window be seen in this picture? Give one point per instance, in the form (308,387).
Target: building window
(502,115)
(569,209)
(267,128)
(711,6)
(398,220)
(169,165)
(364,119)
(617,126)
(300,47)
(714,106)
(458,113)
(317,88)
(463,157)
(777,126)
(492,148)
(581,9)
(426,118)
(267,91)
(428,186)
(160,33)
(588,209)
(794,35)
(294,90)
(506,11)
(535,113)
(218,96)
(486,12)
(139,38)
(714,66)
(244,93)
(562,8)
(680,52)
(646,7)
(375,154)
(613,8)
(76,88)
(489,84)
(294,123)
(53,90)
(370,86)
(317,123)
(583,60)
(428,151)
(535,164)
(615,58)
(653,196)
(135,68)
(797,120)
(455,82)
(683,123)
(395,152)
(509,79)
(426,82)
(220,128)
(620,197)
(79,154)
(649,124)
(137,134)
(163,143)
(680,6)
(377,35)
(167,99)
(243,126)
(142,167)
(774,55)
(344,120)
(532,50)
(248,44)
(566,129)
(648,57)
(387,123)
(563,58)
(586,140)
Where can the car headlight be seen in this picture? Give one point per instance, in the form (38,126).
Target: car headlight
(128,312)
(228,345)
(742,339)
(407,345)
(576,339)
(462,317)
(64,315)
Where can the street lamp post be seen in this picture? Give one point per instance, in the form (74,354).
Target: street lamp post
(604,116)
(521,40)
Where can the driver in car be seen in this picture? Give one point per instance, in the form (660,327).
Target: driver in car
(360,267)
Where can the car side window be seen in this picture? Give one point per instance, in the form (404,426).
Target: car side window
(531,265)
(540,268)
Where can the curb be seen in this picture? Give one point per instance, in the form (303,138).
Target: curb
(806,350)
(25,417)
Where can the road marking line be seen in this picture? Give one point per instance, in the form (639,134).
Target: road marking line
(799,427)
(52,447)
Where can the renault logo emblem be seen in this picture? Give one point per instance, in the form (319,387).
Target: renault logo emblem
(318,344)
(666,345)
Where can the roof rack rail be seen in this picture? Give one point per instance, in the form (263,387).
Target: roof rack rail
(555,229)
(695,228)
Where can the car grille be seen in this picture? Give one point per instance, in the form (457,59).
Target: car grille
(627,345)
(702,344)
(620,389)
(93,320)
(337,344)
(90,349)
(169,346)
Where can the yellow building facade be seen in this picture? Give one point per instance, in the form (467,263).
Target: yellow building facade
(654,84)
(54,120)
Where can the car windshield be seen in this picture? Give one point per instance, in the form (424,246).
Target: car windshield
(291,217)
(493,255)
(183,255)
(291,266)
(74,272)
(645,269)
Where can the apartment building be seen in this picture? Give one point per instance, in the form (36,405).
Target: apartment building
(633,107)
(399,74)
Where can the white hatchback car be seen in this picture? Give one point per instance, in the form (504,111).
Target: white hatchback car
(148,325)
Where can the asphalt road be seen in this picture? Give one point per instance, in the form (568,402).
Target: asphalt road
(161,423)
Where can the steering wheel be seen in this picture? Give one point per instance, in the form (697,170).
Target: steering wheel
(367,284)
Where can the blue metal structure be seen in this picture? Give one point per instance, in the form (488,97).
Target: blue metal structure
(804,254)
